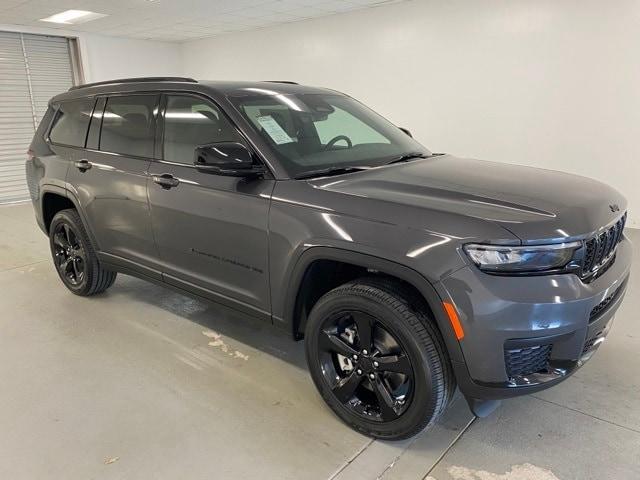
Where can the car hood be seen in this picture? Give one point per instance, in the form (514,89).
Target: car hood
(534,204)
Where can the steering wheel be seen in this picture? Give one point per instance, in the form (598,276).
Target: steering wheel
(336,139)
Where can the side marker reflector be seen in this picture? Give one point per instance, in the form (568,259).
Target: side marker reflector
(453,318)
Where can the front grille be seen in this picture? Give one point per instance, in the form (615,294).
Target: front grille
(527,360)
(600,250)
(602,306)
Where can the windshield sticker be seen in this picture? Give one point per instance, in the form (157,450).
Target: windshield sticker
(274,130)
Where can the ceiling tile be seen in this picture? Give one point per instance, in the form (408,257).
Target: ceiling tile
(177,20)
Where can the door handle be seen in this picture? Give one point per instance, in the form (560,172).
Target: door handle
(166,180)
(83,165)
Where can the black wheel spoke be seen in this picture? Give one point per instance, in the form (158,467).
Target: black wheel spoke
(67,233)
(64,265)
(346,387)
(332,343)
(76,270)
(60,240)
(385,400)
(364,325)
(394,363)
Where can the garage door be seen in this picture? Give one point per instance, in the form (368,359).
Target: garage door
(33,68)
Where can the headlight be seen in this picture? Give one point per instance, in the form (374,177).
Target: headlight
(539,258)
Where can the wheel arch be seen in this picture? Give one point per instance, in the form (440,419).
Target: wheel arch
(55,199)
(301,287)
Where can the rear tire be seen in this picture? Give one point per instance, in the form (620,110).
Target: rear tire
(390,381)
(75,258)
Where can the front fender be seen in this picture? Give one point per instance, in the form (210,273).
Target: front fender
(303,216)
(296,227)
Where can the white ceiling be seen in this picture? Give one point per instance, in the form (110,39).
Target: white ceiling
(176,20)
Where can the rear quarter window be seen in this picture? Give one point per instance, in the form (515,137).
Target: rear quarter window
(43,127)
(71,122)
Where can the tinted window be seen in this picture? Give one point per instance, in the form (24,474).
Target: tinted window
(128,125)
(43,127)
(316,131)
(71,122)
(340,121)
(189,122)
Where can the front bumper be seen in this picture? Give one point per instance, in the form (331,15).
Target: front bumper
(513,325)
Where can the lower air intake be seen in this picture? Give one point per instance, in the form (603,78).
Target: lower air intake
(527,360)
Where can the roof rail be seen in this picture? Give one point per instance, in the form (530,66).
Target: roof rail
(281,81)
(135,80)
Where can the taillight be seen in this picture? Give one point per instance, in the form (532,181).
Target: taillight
(30,155)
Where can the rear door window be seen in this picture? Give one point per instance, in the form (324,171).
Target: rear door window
(71,122)
(128,125)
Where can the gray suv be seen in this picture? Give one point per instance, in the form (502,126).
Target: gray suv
(406,272)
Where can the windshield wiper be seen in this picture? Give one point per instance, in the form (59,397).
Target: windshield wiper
(405,157)
(326,172)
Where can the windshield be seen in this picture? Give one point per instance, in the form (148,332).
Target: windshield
(319,131)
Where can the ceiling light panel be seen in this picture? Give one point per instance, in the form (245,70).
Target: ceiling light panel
(73,17)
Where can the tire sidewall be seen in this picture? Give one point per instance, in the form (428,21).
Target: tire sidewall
(422,403)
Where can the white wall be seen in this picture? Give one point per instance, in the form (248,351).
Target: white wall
(105,57)
(549,83)
(112,57)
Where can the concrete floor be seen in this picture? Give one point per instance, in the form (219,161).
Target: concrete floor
(143,383)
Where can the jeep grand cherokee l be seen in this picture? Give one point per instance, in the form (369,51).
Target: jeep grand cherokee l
(406,272)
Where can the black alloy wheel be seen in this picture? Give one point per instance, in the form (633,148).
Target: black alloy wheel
(69,256)
(377,358)
(365,366)
(74,256)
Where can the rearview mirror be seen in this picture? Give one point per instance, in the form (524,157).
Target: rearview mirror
(406,130)
(226,158)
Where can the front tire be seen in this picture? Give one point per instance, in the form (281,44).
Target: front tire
(74,256)
(379,363)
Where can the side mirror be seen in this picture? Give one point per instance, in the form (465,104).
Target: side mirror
(405,130)
(226,158)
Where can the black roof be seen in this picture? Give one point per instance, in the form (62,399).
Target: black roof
(228,86)
(135,80)
(224,87)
